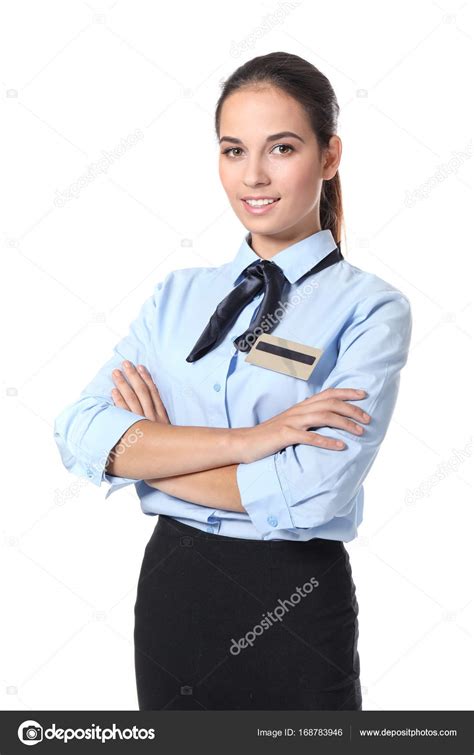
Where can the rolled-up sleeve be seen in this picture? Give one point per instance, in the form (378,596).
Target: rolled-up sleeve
(87,430)
(306,486)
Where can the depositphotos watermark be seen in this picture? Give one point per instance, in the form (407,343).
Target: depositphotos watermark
(268,22)
(284,605)
(275,317)
(95,469)
(444,469)
(443,171)
(31,733)
(97,168)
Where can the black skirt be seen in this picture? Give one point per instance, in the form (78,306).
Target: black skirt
(234,624)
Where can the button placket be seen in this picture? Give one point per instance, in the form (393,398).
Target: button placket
(216,414)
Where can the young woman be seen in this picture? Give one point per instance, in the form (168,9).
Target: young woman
(250,402)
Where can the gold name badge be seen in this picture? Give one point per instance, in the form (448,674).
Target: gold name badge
(281,355)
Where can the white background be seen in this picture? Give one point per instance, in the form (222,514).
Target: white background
(76,79)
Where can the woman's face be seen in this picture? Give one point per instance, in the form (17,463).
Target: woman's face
(289,169)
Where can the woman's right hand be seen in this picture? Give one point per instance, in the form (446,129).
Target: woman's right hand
(330,408)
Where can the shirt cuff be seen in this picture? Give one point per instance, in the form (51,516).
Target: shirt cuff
(117,482)
(265,499)
(102,435)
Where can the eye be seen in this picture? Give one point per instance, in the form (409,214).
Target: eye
(286,146)
(230,149)
(238,149)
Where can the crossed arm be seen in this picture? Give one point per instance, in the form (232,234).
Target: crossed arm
(213,487)
(302,486)
(217,487)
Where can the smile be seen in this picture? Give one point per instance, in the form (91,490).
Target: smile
(259,206)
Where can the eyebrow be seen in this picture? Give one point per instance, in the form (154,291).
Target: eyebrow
(270,138)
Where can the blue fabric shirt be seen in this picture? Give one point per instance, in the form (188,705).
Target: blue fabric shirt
(363,325)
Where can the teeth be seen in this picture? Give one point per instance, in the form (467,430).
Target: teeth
(259,202)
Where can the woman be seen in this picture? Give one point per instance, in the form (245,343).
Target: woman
(250,402)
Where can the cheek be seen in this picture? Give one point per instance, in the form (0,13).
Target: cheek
(226,174)
(291,175)
(302,183)
(222,175)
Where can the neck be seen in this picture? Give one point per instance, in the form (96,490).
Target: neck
(267,245)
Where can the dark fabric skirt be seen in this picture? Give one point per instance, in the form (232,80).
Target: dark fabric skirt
(235,624)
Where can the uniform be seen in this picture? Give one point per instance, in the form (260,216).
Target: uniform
(301,503)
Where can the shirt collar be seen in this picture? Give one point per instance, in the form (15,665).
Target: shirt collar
(295,260)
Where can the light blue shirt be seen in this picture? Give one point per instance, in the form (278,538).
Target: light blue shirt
(363,325)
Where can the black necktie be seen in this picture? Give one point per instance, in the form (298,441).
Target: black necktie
(265,274)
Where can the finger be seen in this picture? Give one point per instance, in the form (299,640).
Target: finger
(331,419)
(347,409)
(135,391)
(119,399)
(315,439)
(141,389)
(326,418)
(344,394)
(127,392)
(154,393)
(331,405)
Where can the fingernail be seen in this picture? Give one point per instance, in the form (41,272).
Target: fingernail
(127,364)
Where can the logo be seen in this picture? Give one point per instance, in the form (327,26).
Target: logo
(30,732)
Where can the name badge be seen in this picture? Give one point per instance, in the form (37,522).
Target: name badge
(281,355)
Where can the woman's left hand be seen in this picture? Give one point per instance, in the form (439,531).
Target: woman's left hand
(137,393)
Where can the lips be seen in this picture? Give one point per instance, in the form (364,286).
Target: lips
(256,198)
(260,209)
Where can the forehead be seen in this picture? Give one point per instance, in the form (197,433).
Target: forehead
(252,114)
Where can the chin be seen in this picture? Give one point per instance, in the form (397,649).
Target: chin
(257,221)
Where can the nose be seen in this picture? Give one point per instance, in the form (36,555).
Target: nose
(255,173)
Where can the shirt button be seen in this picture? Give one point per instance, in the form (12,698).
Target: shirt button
(272,520)
(217,387)
(89,473)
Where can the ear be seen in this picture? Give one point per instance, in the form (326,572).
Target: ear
(332,158)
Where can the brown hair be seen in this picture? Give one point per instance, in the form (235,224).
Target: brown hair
(306,84)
